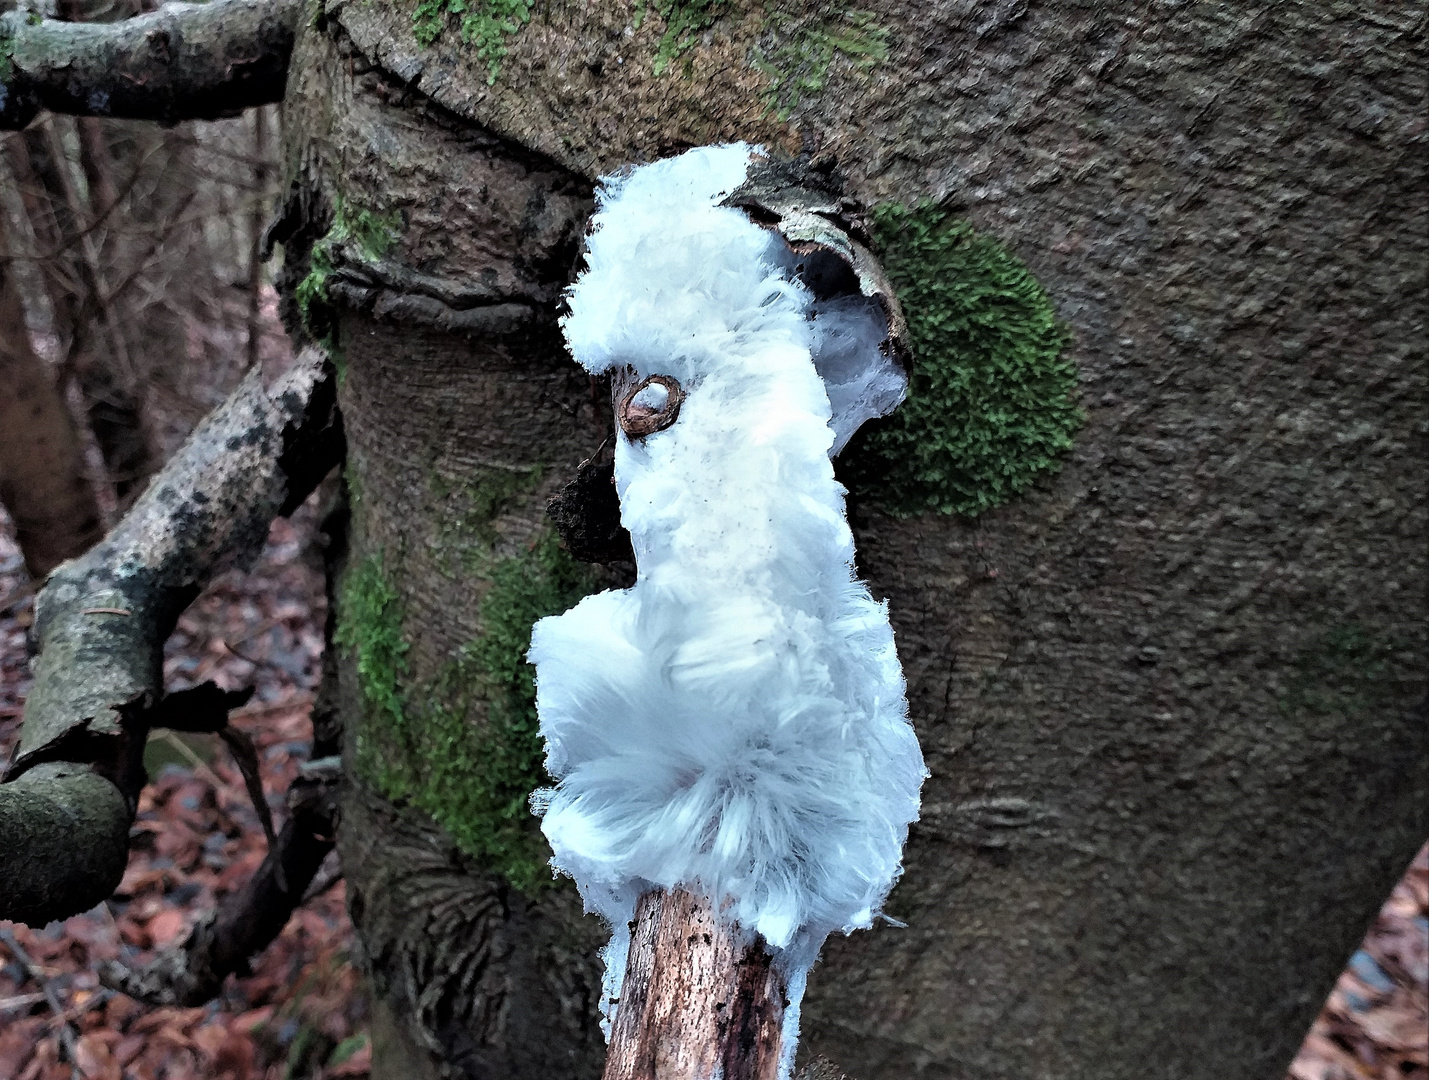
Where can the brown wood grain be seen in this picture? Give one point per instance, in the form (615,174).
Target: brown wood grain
(698,1002)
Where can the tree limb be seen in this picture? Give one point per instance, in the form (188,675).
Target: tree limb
(246,921)
(182,62)
(697,1000)
(102,619)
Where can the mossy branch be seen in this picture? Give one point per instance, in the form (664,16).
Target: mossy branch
(182,62)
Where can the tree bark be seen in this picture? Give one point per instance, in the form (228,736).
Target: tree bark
(1147,837)
(184,62)
(43,484)
(698,1001)
(1170,696)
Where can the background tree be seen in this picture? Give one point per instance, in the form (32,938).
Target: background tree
(1164,664)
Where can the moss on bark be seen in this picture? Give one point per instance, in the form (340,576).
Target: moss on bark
(427,744)
(992,398)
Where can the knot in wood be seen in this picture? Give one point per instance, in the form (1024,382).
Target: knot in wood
(639,415)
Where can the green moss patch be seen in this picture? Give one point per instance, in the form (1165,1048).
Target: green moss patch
(369,628)
(992,401)
(485,26)
(7,56)
(797,64)
(468,511)
(684,21)
(423,746)
(373,235)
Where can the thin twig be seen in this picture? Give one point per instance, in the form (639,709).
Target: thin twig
(69,1035)
(199,765)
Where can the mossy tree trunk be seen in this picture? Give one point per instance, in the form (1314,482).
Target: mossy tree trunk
(1164,665)
(1164,679)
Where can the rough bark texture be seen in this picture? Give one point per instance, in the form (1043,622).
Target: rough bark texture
(184,62)
(697,1001)
(101,622)
(43,485)
(1166,696)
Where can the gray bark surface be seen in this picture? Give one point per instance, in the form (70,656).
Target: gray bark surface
(1167,697)
(183,62)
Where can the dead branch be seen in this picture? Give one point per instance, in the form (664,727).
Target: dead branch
(72,788)
(248,920)
(697,1000)
(182,62)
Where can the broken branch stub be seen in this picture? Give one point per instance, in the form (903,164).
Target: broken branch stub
(182,62)
(698,1000)
(99,673)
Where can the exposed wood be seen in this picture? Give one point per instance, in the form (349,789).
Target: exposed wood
(183,62)
(698,1002)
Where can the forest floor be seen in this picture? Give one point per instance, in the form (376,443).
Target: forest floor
(301,1015)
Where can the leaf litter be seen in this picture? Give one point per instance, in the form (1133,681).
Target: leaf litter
(301,1013)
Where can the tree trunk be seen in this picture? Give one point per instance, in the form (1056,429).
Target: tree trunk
(43,485)
(1166,694)
(1167,674)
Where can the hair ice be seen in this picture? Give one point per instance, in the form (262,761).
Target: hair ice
(734,723)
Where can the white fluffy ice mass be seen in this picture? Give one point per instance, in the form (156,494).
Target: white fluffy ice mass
(735,723)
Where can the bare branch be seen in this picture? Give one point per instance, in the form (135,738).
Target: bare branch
(182,62)
(697,1000)
(222,940)
(101,621)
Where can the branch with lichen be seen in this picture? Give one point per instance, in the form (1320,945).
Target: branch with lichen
(101,620)
(182,62)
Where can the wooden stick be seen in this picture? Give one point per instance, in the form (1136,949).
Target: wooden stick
(697,1002)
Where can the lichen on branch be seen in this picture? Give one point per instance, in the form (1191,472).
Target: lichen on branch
(101,621)
(182,62)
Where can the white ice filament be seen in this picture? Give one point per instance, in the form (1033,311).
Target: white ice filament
(735,723)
